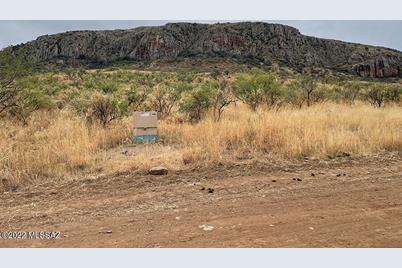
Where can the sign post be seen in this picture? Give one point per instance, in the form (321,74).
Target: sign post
(145,126)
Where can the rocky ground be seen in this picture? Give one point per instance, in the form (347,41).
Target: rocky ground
(344,202)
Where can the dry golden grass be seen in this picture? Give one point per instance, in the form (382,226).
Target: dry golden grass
(320,130)
(60,145)
(53,145)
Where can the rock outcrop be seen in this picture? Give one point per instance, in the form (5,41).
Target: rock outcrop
(257,42)
(379,67)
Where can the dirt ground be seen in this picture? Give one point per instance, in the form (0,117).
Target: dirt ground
(344,202)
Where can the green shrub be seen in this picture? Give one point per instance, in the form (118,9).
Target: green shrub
(380,93)
(164,98)
(393,93)
(137,96)
(294,94)
(257,87)
(347,92)
(106,108)
(32,98)
(304,90)
(79,101)
(196,102)
(376,94)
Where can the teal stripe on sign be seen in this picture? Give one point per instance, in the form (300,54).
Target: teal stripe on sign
(145,138)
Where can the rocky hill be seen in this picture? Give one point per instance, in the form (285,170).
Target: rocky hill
(257,42)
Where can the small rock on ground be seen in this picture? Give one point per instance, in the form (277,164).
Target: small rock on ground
(106,232)
(158,171)
(206,227)
(342,154)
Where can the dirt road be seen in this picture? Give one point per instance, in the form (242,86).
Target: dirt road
(346,202)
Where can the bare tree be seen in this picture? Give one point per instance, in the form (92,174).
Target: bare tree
(222,97)
(309,86)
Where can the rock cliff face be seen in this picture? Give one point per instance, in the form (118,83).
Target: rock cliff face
(260,42)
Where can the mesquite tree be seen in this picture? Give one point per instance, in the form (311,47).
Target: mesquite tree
(12,68)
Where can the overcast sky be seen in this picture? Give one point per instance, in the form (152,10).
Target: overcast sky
(381,33)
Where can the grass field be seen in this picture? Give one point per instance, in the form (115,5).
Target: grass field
(61,145)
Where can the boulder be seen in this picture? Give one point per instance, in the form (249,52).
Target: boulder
(159,170)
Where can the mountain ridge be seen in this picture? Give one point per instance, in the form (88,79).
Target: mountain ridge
(261,42)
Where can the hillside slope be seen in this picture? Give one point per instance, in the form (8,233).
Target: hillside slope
(262,43)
